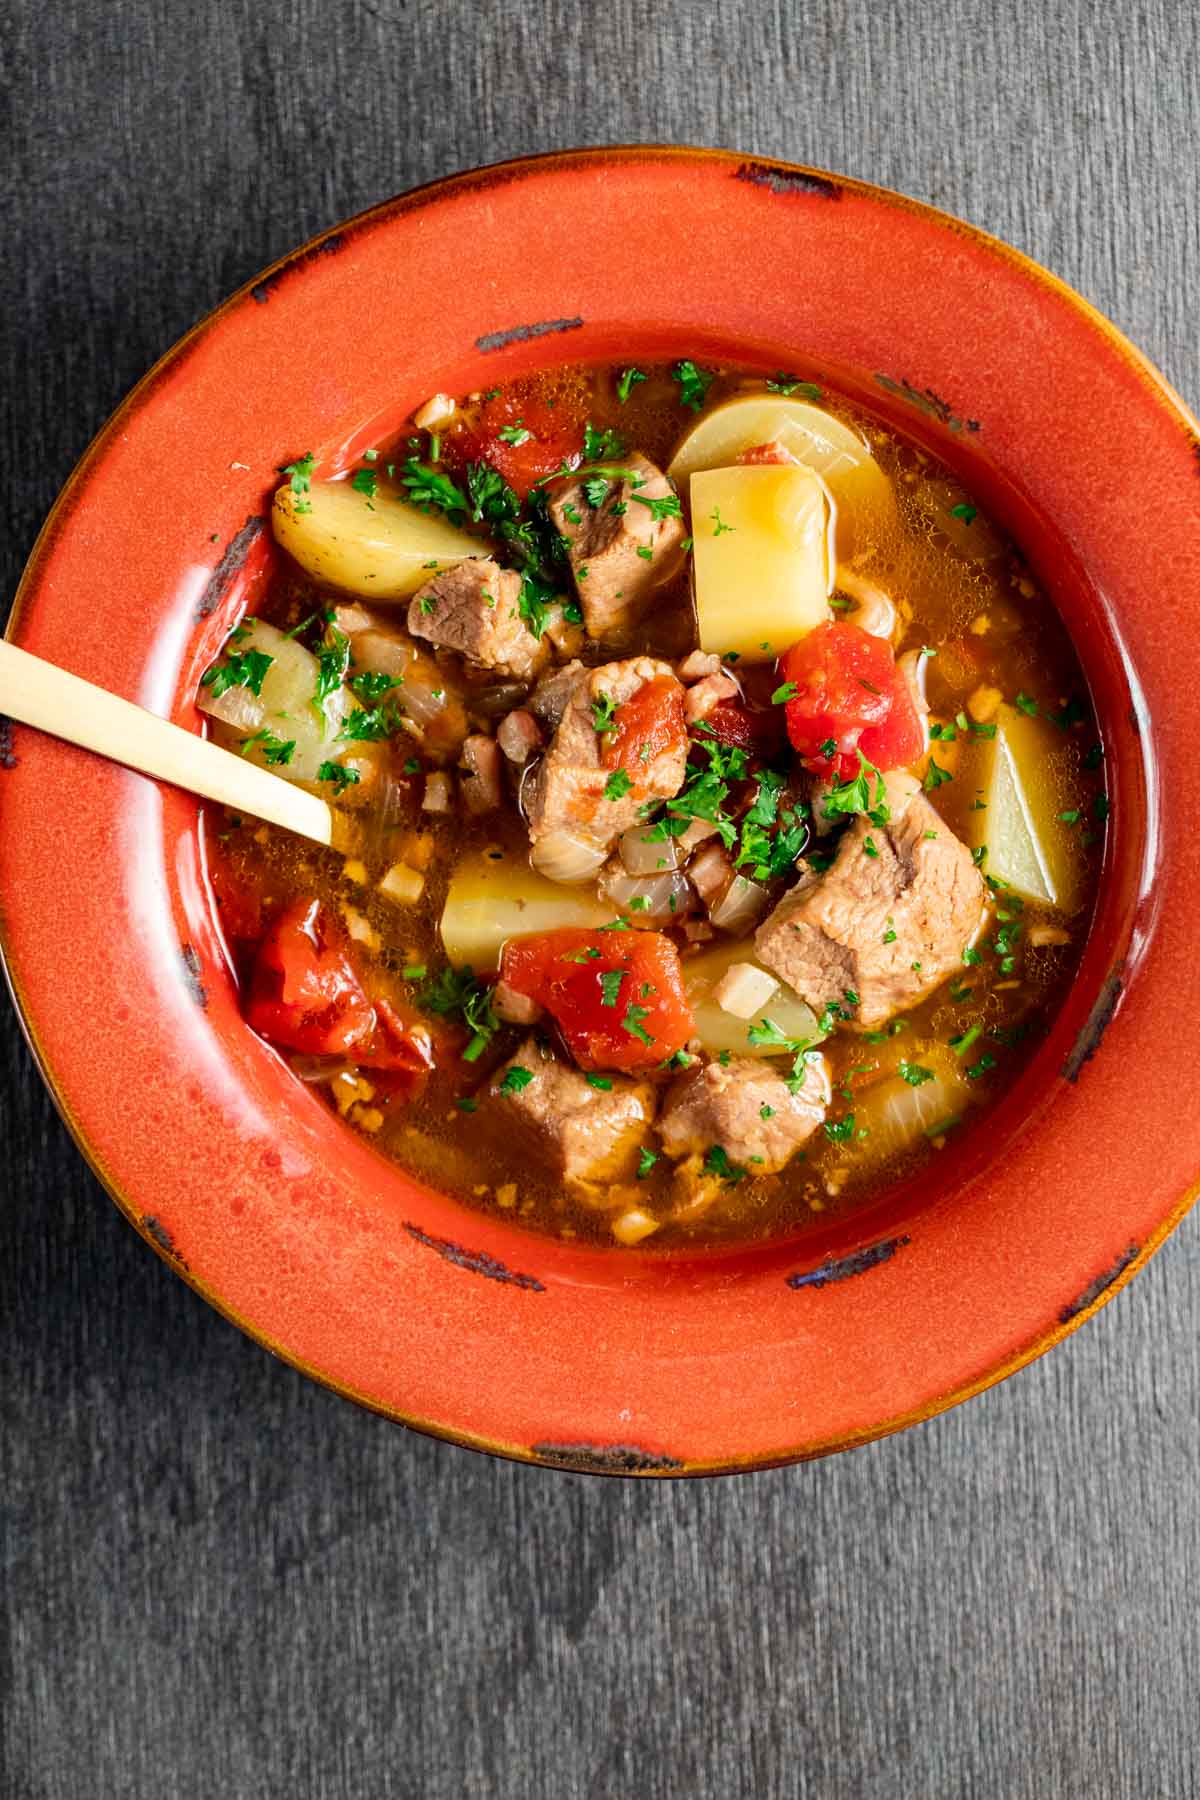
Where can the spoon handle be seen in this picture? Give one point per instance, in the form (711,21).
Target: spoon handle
(34,692)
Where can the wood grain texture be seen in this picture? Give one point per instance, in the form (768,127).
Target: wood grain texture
(218,1579)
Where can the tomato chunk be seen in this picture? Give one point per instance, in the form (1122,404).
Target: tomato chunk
(650,722)
(850,696)
(500,439)
(616,996)
(774,452)
(304,995)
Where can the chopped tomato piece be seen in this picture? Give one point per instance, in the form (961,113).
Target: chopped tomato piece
(500,439)
(305,995)
(774,452)
(650,722)
(757,729)
(616,996)
(849,696)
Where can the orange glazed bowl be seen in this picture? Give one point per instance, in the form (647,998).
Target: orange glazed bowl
(459,1323)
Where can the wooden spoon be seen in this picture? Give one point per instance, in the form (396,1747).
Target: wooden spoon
(38,693)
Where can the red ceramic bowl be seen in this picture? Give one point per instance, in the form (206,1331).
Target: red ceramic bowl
(453,1322)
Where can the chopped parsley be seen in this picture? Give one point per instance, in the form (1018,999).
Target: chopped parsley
(719,524)
(964,511)
(935,776)
(370,724)
(770,841)
(370,686)
(840,1131)
(515,1079)
(610,986)
(667,507)
(342,778)
(514,434)
(365,481)
(915,1074)
(784,693)
(646,1161)
(429,489)
(456,993)
(854,796)
(301,472)
(333,660)
(783,383)
(600,446)
(604,712)
(627,383)
(601,1082)
(717,1163)
(617,785)
(693,383)
(275,750)
(1024,704)
(244,668)
(978,1070)
(632,1023)
(962,1043)
(870,847)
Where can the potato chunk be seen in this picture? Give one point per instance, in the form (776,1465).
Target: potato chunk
(378,546)
(861,491)
(1025,783)
(761,558)
(494,897)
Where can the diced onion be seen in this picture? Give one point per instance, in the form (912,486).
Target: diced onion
(402,884)
(647,897)
(561,856)
(744,990)
(439,793)
(741,905)
(643,854)
(710,872)
(632,1226)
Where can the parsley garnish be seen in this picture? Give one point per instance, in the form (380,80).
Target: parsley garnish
(514,434)
(604,710)
(515,1079)
(840,1131)
(784,693)
(240,669)
(600,1082)
(632,1023)
(599,446)
(854,796)
(428,488)
(964,511)
(646,1161)
(456,991)
(694,383)
(667,507)
(333,659)
(719,524)
(935,775)
(617,785)
(341,778)
(371,685)
(1024,704)
(370,724)
(915,1074)
(627,383)
(275,750)
(365,481)
(717,1163)
(301,473)
(610,986)
(783,383)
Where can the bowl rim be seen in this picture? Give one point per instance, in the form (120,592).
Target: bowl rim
(799,177)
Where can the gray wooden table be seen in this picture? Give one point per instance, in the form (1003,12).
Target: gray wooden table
(218,1579)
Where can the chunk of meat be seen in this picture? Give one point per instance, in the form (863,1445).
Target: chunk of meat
(747,1109)
(475,608)
(588,1135)
(622,743)
(887,927)
(549,698)
(480,773)
(622,549)
(703,696)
